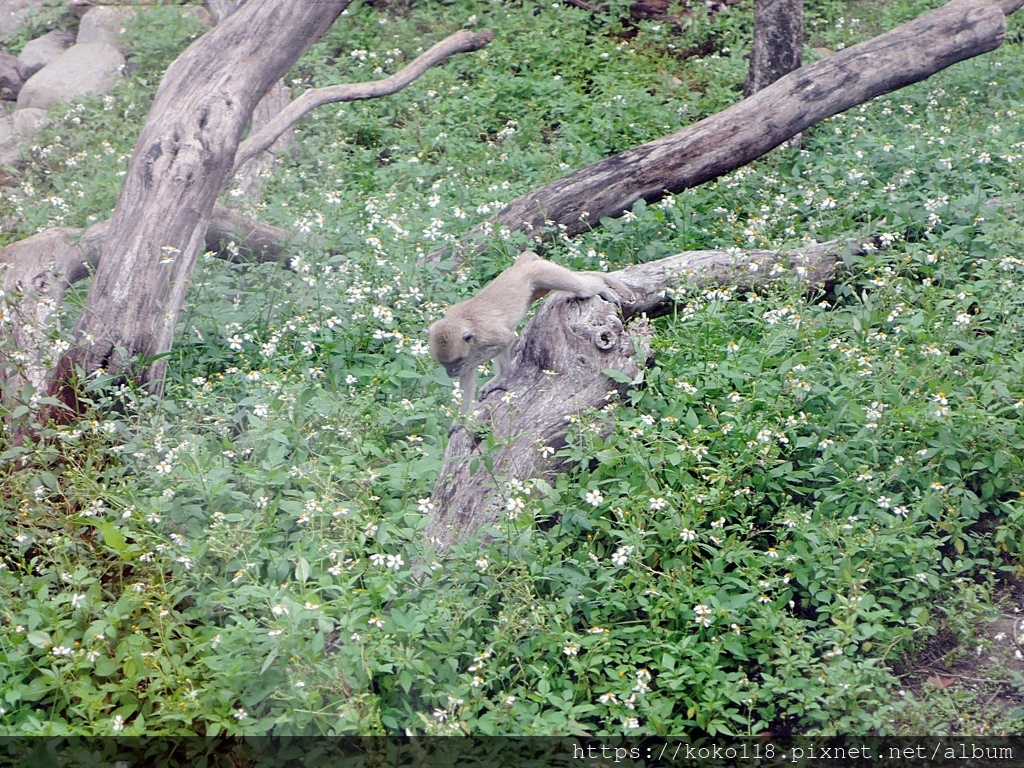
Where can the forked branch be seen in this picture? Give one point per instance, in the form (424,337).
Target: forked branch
(462,41)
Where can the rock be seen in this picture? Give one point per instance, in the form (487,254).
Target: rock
(200,14)
(105,24)
(10,79)
(80,7)
(81,69)
(16,129)
(12,12)
(39,52)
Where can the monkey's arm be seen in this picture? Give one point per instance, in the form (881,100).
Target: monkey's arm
(483,328)
(467,384)
(490,341)
(546,276)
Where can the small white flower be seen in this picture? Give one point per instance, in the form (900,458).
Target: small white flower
(621,555)
(703,615)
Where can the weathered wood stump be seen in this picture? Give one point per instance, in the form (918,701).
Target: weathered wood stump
(558,371)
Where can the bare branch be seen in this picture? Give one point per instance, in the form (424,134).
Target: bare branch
(462,41)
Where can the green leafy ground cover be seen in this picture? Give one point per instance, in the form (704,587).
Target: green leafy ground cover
(807,492)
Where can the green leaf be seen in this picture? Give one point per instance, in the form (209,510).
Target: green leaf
(269,660)
(40,639)
(112,537)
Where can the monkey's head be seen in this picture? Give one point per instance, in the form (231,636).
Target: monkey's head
(451,343)
(456,345)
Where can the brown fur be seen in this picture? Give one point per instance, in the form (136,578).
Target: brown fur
(484,327)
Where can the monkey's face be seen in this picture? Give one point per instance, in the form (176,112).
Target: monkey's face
(449,346)
(456,347)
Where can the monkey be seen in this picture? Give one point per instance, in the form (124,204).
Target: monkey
(484,327)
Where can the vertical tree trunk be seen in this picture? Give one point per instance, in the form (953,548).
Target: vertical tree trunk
(778,42)
(180,163)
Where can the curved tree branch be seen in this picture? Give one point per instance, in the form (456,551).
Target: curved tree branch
(462,41)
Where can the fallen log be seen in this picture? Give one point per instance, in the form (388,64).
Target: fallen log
(729,139)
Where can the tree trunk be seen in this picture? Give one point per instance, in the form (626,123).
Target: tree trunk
(248,179)
(778,42)
(557,372)
(734,137)
(35,274)
(180,163)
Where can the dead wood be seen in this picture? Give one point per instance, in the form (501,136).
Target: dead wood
(35,274)
(557,373)
(181,161)
(462,41)
(959,30)
(778,43)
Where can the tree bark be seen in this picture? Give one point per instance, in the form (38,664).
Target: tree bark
(180,163)
(248,178)
(734,137)
(557,372)
(778,42)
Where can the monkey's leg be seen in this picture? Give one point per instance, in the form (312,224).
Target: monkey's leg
(504,362)
(467,383)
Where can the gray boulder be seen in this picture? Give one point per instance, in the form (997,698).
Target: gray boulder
(39,52)
(16,129)
(105,24)
(81,69)
(10,79)
(12,12)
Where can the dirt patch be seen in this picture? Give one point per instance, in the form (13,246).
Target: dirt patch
(975,686)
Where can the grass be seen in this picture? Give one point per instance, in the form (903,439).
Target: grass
(809,492)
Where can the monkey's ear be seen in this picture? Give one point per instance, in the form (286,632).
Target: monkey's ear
(468,335)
